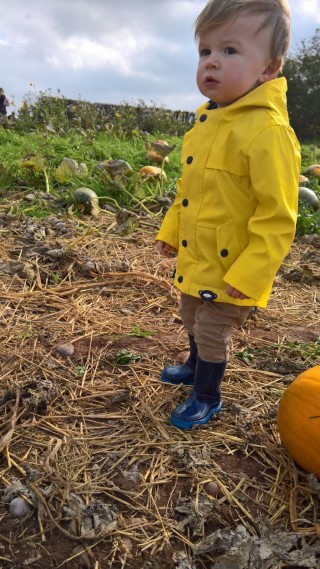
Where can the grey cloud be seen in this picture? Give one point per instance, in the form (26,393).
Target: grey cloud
(108,50)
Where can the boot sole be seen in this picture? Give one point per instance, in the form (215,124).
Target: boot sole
(190,424)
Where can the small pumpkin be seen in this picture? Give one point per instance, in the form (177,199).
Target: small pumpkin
(309,197)
(86,199)
(154,172)
(313,170)
(156,157)
(299,420)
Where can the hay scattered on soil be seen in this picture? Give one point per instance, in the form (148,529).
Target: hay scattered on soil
(85,438)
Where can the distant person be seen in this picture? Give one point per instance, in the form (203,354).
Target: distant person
(234,216)
(4,103)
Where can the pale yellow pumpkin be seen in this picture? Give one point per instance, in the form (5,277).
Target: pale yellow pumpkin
(299,420)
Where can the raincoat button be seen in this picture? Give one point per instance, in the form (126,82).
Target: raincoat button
(203,118)
(224,252)
(180,279)
(184,243)
(189,159)
(185,202)
(207,295)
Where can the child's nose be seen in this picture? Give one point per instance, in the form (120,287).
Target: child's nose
(212,61)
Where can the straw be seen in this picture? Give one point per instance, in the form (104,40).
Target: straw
(94,430)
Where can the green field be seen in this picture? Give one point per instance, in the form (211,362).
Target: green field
(33,147)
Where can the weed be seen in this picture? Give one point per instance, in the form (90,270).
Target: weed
(55,278)
(308,221)
(308,352)
(124,357)
(136,331)
(245,355)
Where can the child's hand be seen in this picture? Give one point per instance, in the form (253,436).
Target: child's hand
(165,249)
(235,293)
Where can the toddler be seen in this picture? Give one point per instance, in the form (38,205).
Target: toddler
(234,216)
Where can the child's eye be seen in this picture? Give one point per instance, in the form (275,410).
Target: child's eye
(204,52)
(229,51)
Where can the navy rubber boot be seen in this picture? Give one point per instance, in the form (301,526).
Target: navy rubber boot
(182,373)
(205,399)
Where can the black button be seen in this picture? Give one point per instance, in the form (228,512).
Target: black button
(184,243)
(207,295)
(185,202)
(224,252)
(180,279)
(203,118)
(189,159)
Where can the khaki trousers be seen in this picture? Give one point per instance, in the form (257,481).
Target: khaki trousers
(211,325)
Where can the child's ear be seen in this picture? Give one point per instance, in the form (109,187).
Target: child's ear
(271,71)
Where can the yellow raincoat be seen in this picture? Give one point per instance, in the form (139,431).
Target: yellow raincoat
(234,217)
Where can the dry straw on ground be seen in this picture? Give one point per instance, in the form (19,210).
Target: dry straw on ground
(85,437)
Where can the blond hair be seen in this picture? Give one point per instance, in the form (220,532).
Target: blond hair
(277,18)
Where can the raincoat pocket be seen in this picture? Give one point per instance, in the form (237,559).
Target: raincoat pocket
(228,246)
(206,243)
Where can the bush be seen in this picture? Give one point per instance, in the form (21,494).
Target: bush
(44,110)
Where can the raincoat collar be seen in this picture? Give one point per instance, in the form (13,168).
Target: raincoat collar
(270,95)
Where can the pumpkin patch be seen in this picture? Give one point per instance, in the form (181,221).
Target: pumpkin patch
(299,420)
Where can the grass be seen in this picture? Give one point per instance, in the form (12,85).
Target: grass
(44,135)
(309,221)
(32,149)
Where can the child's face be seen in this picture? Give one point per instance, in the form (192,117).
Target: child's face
(235,59)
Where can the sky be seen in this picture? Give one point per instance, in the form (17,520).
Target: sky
(112,51)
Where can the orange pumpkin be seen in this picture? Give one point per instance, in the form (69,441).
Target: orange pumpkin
(152,172)
(299,419)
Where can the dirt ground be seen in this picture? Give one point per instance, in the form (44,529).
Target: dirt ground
(88,318)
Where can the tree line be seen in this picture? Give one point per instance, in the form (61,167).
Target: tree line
(302,72)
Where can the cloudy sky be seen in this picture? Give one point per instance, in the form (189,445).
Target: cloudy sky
(112,50)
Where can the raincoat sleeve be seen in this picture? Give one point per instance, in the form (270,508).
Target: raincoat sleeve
(169,230)
(274,165)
